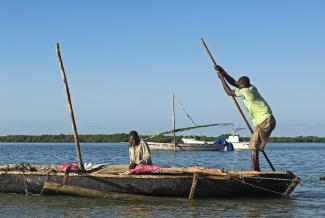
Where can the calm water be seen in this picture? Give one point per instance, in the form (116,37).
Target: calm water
(305,160)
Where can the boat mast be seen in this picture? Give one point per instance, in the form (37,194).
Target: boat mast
(73,123)
(174,122)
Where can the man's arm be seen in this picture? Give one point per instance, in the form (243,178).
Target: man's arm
(131,155)
(226,87)
(229,79)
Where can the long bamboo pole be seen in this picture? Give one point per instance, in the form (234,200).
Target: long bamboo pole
(174,122)
(236,103)
(73,123)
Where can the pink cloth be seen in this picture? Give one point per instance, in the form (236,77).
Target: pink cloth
(144,169)
(73,167)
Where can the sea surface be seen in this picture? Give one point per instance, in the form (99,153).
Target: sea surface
(306,160)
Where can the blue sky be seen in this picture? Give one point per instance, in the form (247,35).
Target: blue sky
(125,59)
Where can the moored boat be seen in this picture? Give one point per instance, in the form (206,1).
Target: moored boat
(238,145)
(187,144)
(234,139)
(184,146)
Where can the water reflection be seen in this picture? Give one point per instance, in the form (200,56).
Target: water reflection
(57,206)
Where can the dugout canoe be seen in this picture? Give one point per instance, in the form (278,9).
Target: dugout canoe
(169,182)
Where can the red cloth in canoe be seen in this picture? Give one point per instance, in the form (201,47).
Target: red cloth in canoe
(73,167)
(144,169)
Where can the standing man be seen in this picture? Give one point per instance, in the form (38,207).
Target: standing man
(139,151)
(258,110)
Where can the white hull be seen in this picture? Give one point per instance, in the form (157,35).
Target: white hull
(241,146)
(183,146)
(193,141)
(234,139)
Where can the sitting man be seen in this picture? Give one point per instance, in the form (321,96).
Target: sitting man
(258,110)
(139,151)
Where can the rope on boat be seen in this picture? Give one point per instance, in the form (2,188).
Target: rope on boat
(268,178)
(188,116)
(27,186)
(294,182)
(25,167)
(242,180)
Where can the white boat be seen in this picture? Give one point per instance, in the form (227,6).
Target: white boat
(188,144)
(194,141)
(184,146)
(234,140)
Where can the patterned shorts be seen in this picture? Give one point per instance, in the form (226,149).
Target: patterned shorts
(262,133)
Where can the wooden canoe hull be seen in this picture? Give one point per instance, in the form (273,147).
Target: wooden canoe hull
(264,185)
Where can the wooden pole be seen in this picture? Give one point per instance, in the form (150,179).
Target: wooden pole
(236,103)
(73,123)
(194,184)
(174,122)
(53,187)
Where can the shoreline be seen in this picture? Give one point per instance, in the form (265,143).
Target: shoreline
(123,138)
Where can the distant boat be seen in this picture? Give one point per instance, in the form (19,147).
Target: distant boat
(188,144)
(194,141)
(233,139)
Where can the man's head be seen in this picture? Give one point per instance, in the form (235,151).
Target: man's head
(243,82)
(133,138)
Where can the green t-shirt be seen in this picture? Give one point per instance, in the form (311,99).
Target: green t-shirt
(257,107)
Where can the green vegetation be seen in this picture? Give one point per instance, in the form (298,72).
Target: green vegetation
(298,139)
(120,137)
(123,137)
